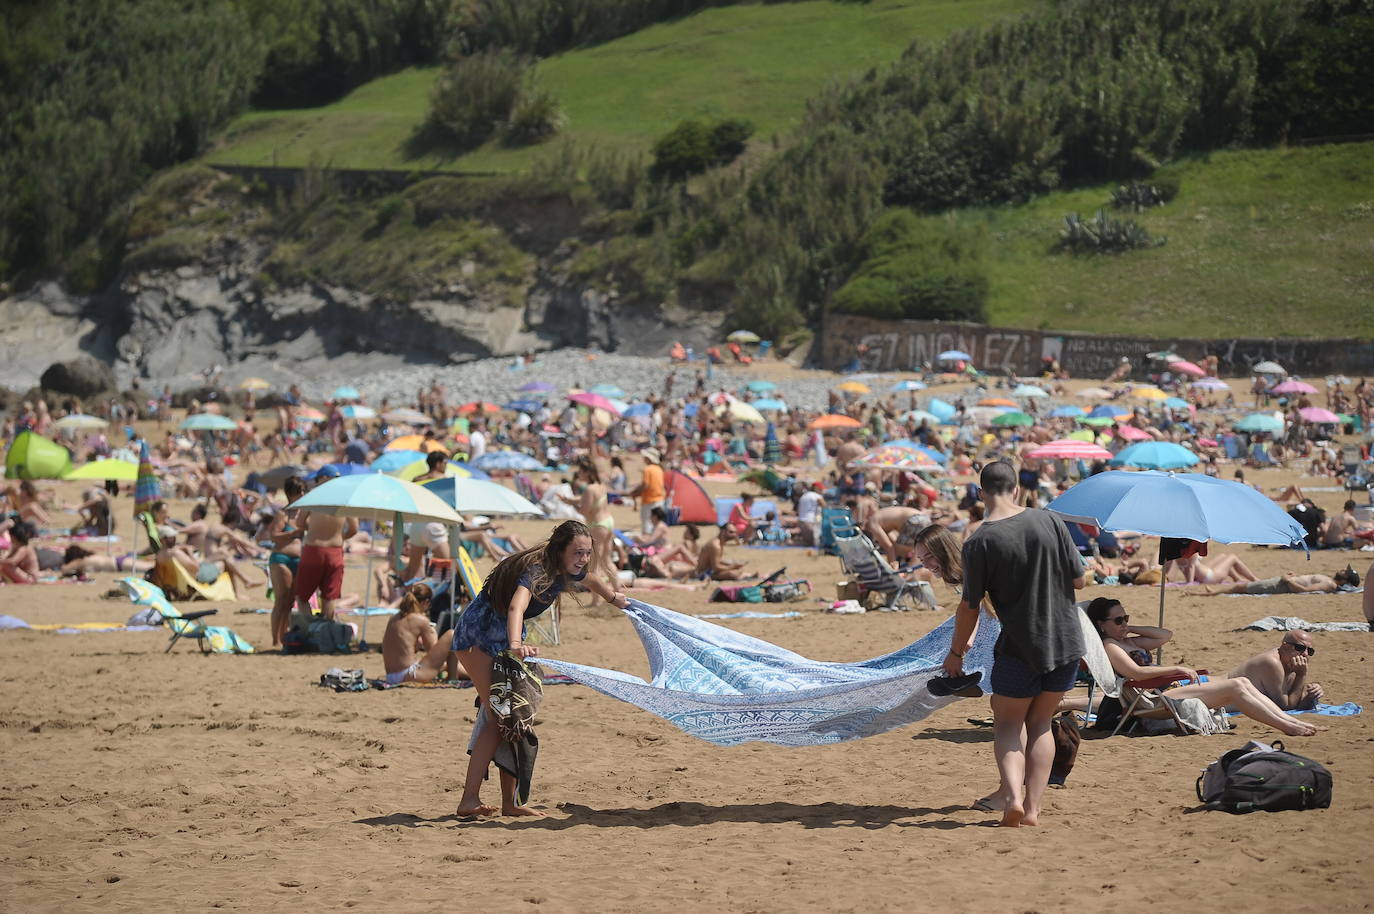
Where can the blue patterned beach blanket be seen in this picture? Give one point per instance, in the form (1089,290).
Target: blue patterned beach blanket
(727,688)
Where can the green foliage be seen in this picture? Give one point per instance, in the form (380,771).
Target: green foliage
(96,94)
(1138,196)
(694,146)
(913,268)
(489,92)
(545,27)
(1103,234)
(319,49)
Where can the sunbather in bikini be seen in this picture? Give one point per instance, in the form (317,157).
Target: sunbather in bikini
(409,632)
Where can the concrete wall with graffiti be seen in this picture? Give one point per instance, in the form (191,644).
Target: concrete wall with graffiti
(905,345)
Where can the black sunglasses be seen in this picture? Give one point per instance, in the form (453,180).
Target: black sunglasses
(1119,620)
(1300,648)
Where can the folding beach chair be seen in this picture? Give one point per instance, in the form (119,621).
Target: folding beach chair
(835,523)
(179,584)
(210,639)
(1149,701)
(863,561)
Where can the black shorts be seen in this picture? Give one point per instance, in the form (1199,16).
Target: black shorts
(1012,678)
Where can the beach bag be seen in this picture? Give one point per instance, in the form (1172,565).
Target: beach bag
(784,591)
(1066,742)
(296,641)
(1264,778)
(738,593)
(331,637)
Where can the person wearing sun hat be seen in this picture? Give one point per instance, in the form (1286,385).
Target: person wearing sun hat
(650,491)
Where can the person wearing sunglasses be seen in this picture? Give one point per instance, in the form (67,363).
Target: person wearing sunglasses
(1128,647)
(1281,673)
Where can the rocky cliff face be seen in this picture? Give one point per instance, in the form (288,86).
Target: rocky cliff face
(169,324)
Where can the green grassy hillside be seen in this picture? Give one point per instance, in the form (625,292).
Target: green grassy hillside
(761,62)
(1260,243)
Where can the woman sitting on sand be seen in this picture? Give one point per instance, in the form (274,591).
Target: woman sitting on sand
(1128,648)
(409,633)
(522,586)
(676,561)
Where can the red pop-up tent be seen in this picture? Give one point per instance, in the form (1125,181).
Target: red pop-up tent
(686,495)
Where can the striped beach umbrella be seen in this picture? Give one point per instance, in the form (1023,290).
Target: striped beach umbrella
(147,489)
(772,452)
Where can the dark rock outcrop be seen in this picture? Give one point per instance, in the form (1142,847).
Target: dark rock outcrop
(82,376)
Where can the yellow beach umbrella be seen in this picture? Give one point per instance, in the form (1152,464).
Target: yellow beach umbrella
(855,387)
(121,470)
(1149,393)
(741,412)
(255,384)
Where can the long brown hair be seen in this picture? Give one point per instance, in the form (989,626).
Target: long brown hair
(414,600)
(543,562)
(948,551)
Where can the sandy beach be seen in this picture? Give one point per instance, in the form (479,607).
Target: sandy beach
(143,781)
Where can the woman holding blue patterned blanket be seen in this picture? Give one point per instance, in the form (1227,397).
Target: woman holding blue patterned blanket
(521,587)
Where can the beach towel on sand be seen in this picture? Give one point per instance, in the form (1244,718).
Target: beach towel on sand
(1296,624)
(728,688)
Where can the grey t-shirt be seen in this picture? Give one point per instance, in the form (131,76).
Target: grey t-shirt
(1026,564)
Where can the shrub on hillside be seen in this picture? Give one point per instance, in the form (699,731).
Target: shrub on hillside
(493,92)
(1103,234)
(1138,196)
(915,269)
(694,146)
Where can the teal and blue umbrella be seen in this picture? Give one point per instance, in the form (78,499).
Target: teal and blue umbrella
(761,387)
(1110,412)
(1067,412)
(1155,455)
(1260,422)
(392,461)
(1190,506)
(357,411)
(345,393)
(907,385)
(479,496)
(207,422)
(506,460)
(769,404)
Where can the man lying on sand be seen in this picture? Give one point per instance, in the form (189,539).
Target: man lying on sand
(1287,583)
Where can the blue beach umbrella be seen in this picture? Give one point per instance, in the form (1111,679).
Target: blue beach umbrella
(1155,455)
(524,406)
(940,408)
(342,469)
(479,496)
(1180,505)
(761,387)
(207,422)
(506,460)
(1067,412)
(1260,422)
(1176,403)
(911,445)
(1029,390)
(636,409)
(345,393)
(1110,412)
(954,355)
(908,385)
(392,461)
(353,411)
(769,404)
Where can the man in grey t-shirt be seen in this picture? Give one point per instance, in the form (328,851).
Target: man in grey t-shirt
(1025,563)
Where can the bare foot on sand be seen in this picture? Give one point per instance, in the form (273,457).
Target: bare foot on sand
(468,812)
(1012,815)
(1298,728)
(521,811)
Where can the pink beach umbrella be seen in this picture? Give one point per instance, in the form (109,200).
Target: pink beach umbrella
(1069,449)
(1319,416)
(1292,386)
(595,401)
(1131,433)
(1187,368)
